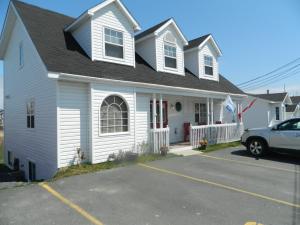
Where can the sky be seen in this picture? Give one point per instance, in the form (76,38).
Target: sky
(255,36)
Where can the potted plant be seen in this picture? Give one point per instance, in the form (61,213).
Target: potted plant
(164,150)
(203,144)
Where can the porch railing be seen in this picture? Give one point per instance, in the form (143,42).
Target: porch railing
(215,134)
(159,138)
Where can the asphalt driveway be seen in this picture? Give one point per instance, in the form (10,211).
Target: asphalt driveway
(220,188)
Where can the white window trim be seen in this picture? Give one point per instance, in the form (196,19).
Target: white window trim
(34,114)
(21,55)
(208,75)
(173,45)
(100,134)
(104,42)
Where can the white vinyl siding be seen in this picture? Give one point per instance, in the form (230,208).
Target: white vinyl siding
(111,17)
(160,54)
(83,36)
(32,81)
(106,144)
(142,121)
(147,50)
(73,111)
(208,51)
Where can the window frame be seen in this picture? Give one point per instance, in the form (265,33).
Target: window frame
(21,55)
(277,110)
(100,120)
(31,162)
(30,114)
(201,114)
(211,66)
(104,45)
(172,57)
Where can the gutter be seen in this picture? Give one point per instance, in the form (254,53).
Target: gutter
(80,78)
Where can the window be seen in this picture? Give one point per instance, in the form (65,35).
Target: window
(201,113)
(277,114)
(208,65)
(30,114)
(113,115)
(290,125)
(21,55)
(170,56)
(9,158)
(31,170)
(114,43)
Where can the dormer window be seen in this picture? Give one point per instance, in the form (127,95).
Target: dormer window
(114,43)
(170,56)
(208,65)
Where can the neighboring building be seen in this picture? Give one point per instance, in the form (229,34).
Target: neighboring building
(267,110)
(88,85)
(294,109)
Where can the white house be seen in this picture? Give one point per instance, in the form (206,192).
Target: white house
(88,85)
(267,109)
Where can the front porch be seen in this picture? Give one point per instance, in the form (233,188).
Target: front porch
(189,120)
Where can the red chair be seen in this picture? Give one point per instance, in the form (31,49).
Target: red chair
(186,130)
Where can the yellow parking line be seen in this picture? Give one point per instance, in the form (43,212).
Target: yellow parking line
(249,163)
(72,205)
(220,185)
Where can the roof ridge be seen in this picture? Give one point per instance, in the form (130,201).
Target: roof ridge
(39,7)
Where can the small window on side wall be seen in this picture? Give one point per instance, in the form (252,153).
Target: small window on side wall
(9,158)
(277,114)
(30,114)
(170,56)
(21,55)
(31,171)
(208,65)
(114,43)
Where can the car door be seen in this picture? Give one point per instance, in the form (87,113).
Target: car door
(286,135)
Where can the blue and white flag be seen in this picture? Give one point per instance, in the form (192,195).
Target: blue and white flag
(229,105)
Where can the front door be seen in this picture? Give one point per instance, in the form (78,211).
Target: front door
(287,135)
(165,114)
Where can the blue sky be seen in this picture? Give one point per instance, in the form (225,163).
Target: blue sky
(255,36)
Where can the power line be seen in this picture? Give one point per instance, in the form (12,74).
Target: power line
(270,73)
(292,73)
(277,75)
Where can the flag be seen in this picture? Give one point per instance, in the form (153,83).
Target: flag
(229,105)
(246,108)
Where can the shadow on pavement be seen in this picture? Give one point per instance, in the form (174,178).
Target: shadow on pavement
(291,158)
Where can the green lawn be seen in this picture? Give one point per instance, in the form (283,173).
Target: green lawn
(88,168)
(216,147)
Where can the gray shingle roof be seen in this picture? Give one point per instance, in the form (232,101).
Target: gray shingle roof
(295,99)
(61,53)
(151,29)
(291,108)
(196,42)
(274,97)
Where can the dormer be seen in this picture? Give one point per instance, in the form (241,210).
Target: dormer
(106,33)
(201,57)
(162,47)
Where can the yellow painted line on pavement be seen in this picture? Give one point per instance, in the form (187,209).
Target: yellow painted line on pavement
(220,185)
(248,163)
(253,223)
(72,205)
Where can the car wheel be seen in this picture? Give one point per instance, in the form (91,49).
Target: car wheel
(257,147)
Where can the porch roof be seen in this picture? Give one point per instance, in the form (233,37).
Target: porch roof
(62,54)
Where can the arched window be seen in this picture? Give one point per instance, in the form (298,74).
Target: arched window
(113,115)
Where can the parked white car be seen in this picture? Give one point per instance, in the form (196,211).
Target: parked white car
(283,136)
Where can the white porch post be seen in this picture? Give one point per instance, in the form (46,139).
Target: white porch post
(221,112)
(207,104)
(211,111)
(160,111)
(154,111)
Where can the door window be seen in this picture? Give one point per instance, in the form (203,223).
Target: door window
(290,125)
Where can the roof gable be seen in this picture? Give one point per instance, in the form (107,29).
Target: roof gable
(295,99)
(155,30)
(201,41)
(89,13)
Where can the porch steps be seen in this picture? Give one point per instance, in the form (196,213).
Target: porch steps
(184,149)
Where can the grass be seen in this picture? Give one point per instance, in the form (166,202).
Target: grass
(89,168)
(211,148)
